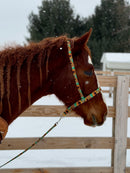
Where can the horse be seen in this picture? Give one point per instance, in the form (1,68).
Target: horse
(38,69)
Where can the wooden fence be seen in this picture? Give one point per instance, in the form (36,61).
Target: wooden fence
(112,73)
(118,143)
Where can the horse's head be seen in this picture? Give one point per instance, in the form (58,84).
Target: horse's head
(95,110)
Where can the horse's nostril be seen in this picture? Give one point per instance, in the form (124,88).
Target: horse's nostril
(94,120)
(105,116)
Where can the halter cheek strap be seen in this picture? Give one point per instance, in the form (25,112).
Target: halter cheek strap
(83,99)
(73,70)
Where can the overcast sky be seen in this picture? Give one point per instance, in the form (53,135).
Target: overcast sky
(14,17)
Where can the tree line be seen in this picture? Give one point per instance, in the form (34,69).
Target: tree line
(110,23)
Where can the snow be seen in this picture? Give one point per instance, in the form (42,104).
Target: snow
(116,61)
(68,127)
(116,57)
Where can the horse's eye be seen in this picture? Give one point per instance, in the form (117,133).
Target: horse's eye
(88,73)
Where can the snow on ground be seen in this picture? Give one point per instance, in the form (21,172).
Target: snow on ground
(68,127)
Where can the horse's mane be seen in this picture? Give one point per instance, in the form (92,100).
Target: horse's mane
(16,56)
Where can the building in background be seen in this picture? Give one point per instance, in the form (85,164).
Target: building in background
(115,62)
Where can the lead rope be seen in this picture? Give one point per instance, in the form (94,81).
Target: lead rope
(69,109)
(39,139)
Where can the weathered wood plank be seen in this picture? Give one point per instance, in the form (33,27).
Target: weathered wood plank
(128,143)
(128,170)
(119,73)
(113,126)
(111,111)
(55,111)
(59,143)
(107,81)
(108,75)
(121,124)
(103,72)
(108,91)
(61,170)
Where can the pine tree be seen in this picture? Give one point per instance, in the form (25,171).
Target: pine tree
(55,17)
(110,23)
(111,29)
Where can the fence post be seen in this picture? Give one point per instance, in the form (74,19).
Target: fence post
(121,124)
(113,125)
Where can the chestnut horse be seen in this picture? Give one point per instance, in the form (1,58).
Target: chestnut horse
(29,72)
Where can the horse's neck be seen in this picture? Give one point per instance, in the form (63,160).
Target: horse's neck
(25,83)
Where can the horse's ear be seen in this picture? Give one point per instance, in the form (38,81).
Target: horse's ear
(84,39)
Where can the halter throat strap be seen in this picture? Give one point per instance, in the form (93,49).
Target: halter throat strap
(83,99)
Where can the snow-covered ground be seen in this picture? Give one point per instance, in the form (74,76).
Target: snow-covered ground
(68,127)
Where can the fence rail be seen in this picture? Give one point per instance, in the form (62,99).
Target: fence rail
(118,143)
(113,73)
(65,170)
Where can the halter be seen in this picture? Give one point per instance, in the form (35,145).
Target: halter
(83,99)
(76,104)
